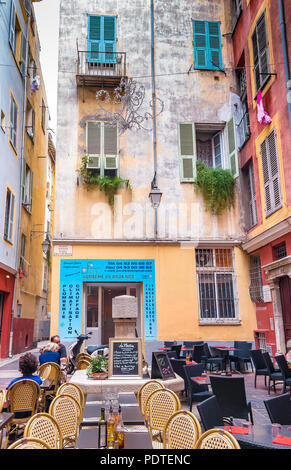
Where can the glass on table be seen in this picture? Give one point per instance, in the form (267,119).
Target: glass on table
(276,429)
(248,425)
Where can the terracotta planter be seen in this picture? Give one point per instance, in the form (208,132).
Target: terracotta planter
(98,375)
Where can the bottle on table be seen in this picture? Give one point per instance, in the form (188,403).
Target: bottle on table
(102,431)
(187,358)
(119,430)
(110,445)
(110,427)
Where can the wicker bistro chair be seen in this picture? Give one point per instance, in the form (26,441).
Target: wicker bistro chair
(83,364)
(68,414)
(160,406)
(74,391)
(52,371)
(29,443)
(22,400)
(2,399)
(145,391)
(181,431)
(83,356)
(45,427)
(217,439)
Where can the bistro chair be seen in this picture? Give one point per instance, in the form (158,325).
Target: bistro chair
(231,397)
(22,400)
(169,344)
(285,371)
(68,414)
(209,359)
(145,391)
(83,355)
(51,371)
(217,439)
(210,413)
(198,352)
(43,426)
(177,349)
(29,443)
(74,391)
(83,364)
(181,431)
(273,374)
(2,399)
(242,356)
(260,365)
(279,409)
(178,368)
(172,354)
(190,345)
(196,391)
(161,405)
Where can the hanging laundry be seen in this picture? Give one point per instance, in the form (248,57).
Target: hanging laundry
(35,82)
(263,116)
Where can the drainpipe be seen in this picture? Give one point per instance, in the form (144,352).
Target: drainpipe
(154,108)
(20,184)
(285,56)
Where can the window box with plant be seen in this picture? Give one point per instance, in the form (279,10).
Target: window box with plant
(98,369)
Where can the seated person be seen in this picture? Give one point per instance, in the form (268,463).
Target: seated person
(27,365)
(50,353)
(63,352)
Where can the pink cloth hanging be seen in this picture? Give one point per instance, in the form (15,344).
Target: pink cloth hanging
(263,116)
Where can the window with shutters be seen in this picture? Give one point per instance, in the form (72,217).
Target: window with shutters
(261,53)
(256,281)
(250,195)
(218,300)
(102,148)
(22,261)
(102,39)
(207,45)
(243,126)
(43,115)
(210,148)
(187,151)
(17,40)
(30,121)
(13,122)
(9,216)
(45,276)
(271,174)
(27,187)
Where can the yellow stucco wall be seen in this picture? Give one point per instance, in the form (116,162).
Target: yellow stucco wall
(176,291)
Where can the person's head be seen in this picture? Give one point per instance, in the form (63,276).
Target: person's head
(28,364)
(54,347)
(56,339)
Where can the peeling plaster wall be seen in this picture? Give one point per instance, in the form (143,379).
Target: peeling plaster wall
(200,97)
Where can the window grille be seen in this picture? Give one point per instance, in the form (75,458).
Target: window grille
(256,285)
(280,251)
(262,342)
(216,284)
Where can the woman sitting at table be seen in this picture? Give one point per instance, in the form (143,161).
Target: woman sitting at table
(50,353)
(27,365)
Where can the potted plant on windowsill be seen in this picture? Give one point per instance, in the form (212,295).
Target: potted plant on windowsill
(98,369)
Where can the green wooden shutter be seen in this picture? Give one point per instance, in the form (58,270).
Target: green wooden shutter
(217,150)
(261,53)
(207,45)
(110,38)
(93,143)
(94,38)
(271,174)
(232,147)
(23,55)
(214,50)
(30,191)
(187,152)
(23,181)
(266,178)
(252,196)
(200,44)
(11,216)
(12,36)
(110,147)
(13,122)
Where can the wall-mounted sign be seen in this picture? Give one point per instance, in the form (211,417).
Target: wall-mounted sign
(74,273)
(125,358)
(63,250)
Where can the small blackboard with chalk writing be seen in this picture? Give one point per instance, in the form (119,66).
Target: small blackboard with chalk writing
(125,357)
(161,366)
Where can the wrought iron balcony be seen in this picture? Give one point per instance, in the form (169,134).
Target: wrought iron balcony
(100,69)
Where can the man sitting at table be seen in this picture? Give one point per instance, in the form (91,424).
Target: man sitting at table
(50,353)
(63,352)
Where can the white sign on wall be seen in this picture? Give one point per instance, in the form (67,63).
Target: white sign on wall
(63,250)
(267,294)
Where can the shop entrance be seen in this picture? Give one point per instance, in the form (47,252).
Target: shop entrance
(98,309)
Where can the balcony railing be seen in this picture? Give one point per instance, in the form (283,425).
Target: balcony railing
(100,68)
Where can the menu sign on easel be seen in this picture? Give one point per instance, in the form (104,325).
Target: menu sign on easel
(161,366)
(125,357)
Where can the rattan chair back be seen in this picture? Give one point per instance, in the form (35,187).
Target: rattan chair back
(29,443)
(83,364)
(53,374)
(22,396)
(2,399)
(217,439)
(182,431)
(83,356)
(74,391)
(161,404)
(44,426)
(67,412)
(44,371)
(145,391)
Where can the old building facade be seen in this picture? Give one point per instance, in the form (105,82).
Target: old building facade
(262,60)
(184,264)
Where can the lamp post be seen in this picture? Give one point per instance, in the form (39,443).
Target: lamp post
(155,196)
(45,245)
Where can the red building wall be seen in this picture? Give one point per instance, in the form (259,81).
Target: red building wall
(22,334)
(7,287)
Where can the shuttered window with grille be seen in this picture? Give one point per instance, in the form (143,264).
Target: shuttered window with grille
(261,53)
(102,39)
(271,174)
(256,282)
(218,300)
(102,148)
(207,45)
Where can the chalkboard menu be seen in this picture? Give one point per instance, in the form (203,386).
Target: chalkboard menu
(161,366)
(125,357)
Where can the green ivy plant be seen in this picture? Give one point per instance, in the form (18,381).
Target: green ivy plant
(98,364)
(217,187)
(108,184)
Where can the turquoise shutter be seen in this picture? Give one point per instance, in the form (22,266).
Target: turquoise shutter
(200,44)
(207,45)
(109,30)
(94,38)
(214,43)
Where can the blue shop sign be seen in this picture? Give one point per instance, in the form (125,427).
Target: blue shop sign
(76,272)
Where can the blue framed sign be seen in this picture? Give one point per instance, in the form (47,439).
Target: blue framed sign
(76,272)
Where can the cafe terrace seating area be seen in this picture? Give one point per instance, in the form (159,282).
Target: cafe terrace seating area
(234,397)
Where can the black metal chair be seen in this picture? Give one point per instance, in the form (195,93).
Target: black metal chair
(260,365)
(273,374)
(286,372)
(172,354)
(177,349)
(231,396)
(196,392)
(168,344)
(279,409)
(210,413)
(242,356)
(198,353)
(209,358)
(178,367)
(190,345)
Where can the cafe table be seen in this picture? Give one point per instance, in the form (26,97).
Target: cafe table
(261,437)
(225,350)
(123,398)
(88,439)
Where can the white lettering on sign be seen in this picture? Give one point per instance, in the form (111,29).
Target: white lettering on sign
(63,250)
